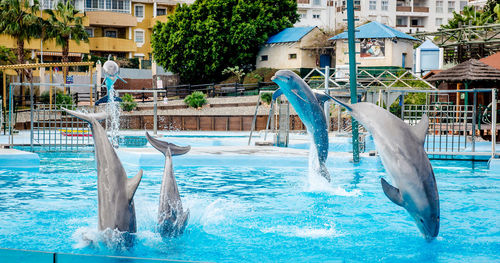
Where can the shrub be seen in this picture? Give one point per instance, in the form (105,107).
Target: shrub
(128,103)
(266,97)
(61,98)
(196,99)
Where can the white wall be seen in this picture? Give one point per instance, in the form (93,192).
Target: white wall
(279,54)
(393,54)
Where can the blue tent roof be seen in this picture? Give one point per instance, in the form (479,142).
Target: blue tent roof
(376,30)
(428,45)
(292,34)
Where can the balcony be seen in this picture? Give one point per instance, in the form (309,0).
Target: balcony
(112,44)
(103,18)
(421,9)
(162,19)
(403,8)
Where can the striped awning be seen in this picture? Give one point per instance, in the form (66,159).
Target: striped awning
(58,54)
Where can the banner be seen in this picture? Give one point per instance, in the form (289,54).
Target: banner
(372,48)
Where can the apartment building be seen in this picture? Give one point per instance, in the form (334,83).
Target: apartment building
(406,15)
(122,28)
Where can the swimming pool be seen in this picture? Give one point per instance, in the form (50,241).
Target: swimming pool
(256,209)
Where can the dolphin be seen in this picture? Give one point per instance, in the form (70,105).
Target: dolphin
(114,190)
(401,148)
(309,107)
(172,219)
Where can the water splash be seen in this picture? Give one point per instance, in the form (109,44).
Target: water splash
(316,182)
(114,240)
(113,110)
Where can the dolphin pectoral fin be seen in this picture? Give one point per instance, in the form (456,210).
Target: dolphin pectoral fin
(392,192)
(277,93)
(420,130)
(163,146)
(88,117)
(132,184)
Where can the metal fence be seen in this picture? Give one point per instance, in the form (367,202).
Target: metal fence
(454,130)
(54,130)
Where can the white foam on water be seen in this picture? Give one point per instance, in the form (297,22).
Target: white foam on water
(328,231)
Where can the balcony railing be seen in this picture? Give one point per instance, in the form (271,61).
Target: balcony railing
(403,8)
(162,19)
(112,44)
(421,9)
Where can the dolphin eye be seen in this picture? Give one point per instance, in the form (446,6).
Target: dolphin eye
(421,220)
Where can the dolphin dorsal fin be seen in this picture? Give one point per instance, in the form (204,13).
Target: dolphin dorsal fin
(277,93)
(420,129)
(132,184)
(392,192)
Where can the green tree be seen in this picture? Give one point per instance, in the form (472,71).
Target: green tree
(19,20)
(7,56)
(64,24)
(200,40)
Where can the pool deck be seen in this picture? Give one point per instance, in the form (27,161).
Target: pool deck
(16,159)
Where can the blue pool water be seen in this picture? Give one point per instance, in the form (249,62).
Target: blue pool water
(256,213)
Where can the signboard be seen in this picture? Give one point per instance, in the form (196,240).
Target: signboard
(69,79)
(372,48)
(159,84)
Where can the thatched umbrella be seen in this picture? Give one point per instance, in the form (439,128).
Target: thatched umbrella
(470,71)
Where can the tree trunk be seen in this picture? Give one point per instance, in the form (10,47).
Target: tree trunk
(65,58)
(20,60)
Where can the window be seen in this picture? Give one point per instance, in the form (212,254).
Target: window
(264,58)
(385,5)
(373,5)
(316,16)
(401,21)
(462,5)
(316,2)
(139,36)
(439,21)
(451,6)
(90,31)
(161,11)
(303,15)
(139,11)
(439,6)
(111,33)
(292,56)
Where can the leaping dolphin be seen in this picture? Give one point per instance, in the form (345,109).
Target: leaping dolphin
(309,107)
(114,190)
(172,219)
(401,148)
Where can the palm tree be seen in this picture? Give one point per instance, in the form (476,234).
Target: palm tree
(65,25)
(18,19)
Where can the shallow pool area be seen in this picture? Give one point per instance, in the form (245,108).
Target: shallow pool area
(254,207)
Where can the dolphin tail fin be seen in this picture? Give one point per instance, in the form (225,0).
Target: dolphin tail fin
(392,192)
(346,105)
(132,184)
(323,171)
(88,117)
(163,146)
